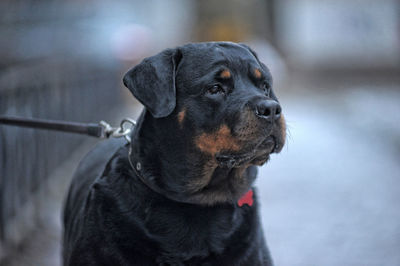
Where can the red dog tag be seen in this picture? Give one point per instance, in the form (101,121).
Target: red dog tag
(246,199)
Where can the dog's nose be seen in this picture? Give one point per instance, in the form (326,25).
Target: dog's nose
(268,109)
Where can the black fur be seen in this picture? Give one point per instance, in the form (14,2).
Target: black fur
(153,82)
(184,211)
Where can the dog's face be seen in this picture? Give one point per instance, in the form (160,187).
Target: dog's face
(213,105)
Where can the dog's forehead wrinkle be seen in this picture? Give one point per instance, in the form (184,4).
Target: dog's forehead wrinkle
(217,53)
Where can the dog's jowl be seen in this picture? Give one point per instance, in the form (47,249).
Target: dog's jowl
(181,192)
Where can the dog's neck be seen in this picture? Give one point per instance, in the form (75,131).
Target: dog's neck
(167,165)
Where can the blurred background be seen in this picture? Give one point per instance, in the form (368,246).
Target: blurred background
(332,197)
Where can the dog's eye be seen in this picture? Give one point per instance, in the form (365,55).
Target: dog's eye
(215,89)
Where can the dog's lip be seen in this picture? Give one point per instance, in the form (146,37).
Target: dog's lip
(262,150)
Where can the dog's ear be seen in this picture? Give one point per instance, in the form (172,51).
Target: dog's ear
(152,82)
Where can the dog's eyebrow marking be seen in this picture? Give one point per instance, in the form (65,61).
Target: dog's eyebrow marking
(225,74)
(257,73)
(181,116)
(212,143)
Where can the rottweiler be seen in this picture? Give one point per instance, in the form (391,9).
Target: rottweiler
(180,193)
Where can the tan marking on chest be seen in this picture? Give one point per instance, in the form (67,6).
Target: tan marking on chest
(225,74)
(181,116)
(257,73)
(220,140)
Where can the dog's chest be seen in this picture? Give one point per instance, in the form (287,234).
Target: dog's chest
(192,231)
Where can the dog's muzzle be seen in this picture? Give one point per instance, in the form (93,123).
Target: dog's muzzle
(261,153)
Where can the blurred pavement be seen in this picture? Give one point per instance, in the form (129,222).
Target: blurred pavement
(332,196)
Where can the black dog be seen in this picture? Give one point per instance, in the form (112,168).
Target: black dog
(180,193)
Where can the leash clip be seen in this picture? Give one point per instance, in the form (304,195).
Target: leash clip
(123,130)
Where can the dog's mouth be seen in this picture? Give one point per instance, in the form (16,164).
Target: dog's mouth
(256,155)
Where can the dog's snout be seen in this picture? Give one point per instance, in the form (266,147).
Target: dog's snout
(268,109)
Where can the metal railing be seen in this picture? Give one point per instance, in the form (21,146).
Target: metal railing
(63,90)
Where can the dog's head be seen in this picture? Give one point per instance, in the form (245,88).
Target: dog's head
(212,115)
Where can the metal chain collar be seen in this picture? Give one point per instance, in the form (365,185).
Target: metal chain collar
(124,130)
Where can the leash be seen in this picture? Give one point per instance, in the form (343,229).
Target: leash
(100,130)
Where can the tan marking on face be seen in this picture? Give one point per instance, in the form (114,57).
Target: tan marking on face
(213,143)
(257,73)
(181,116)
(282,122)
(225,74)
